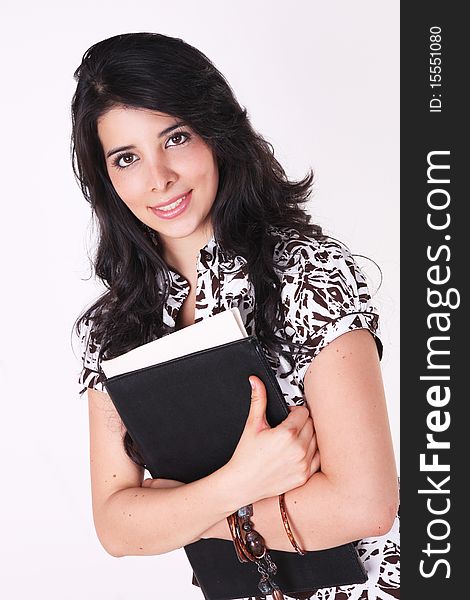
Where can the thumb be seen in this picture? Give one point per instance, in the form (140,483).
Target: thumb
(257,414)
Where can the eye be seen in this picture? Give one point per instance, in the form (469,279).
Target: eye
(177,135)
(124,158)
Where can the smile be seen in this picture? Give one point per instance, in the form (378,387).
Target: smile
(174,205)
(174,209)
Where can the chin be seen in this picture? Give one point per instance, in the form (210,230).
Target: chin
(185,231)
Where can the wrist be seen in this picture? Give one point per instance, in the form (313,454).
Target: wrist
(234,488)
(219,530)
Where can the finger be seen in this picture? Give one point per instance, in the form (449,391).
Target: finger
(296,418)
(308,426)
(307,442)
(161,483)
(312,458)
(312,447)
(167,483)
(295,406)
(316,463)
(257,414)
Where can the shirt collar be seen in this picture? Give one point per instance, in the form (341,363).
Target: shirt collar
(212,255)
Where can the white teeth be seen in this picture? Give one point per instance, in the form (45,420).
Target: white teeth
(172,206)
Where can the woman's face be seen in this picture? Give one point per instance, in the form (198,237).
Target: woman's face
(152,160)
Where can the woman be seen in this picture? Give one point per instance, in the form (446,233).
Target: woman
(196,216)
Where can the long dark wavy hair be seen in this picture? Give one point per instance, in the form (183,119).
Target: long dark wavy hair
(165,74)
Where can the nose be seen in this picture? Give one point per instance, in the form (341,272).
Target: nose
(161,176)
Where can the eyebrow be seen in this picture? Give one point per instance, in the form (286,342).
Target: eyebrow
(132,147)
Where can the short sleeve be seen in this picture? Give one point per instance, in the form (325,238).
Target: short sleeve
(326,295)
(90,375)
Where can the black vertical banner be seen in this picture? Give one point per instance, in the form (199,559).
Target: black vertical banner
(434,265)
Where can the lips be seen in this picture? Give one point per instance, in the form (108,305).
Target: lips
(181,202)
(174,199)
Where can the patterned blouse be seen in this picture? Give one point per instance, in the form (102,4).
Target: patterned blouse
(325,294)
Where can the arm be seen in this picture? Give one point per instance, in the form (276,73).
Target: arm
(131,519)
(355,495)
(134,520)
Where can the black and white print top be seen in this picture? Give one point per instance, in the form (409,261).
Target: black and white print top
(326,295)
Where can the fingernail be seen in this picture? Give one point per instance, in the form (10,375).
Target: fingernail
(252,383)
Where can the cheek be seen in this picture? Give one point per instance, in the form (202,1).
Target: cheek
(127,189)
(205,168)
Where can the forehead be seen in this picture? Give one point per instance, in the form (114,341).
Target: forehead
(123,121)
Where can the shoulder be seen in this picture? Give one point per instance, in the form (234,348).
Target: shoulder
(324,291)
(322,257)
(89,347)
(91,375)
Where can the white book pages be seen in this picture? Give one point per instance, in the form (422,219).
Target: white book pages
(219,329)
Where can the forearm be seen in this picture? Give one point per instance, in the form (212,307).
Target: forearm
(142,521)
(321,515)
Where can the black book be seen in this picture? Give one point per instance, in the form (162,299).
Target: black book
(186,415)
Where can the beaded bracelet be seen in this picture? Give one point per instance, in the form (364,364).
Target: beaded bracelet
(242,552)
(252,547)
(285,521)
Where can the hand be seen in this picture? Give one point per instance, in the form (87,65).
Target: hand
(161,483)
(269,461)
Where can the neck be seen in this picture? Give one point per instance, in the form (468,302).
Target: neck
(182,253)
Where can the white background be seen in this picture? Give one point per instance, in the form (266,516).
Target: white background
(320,82)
